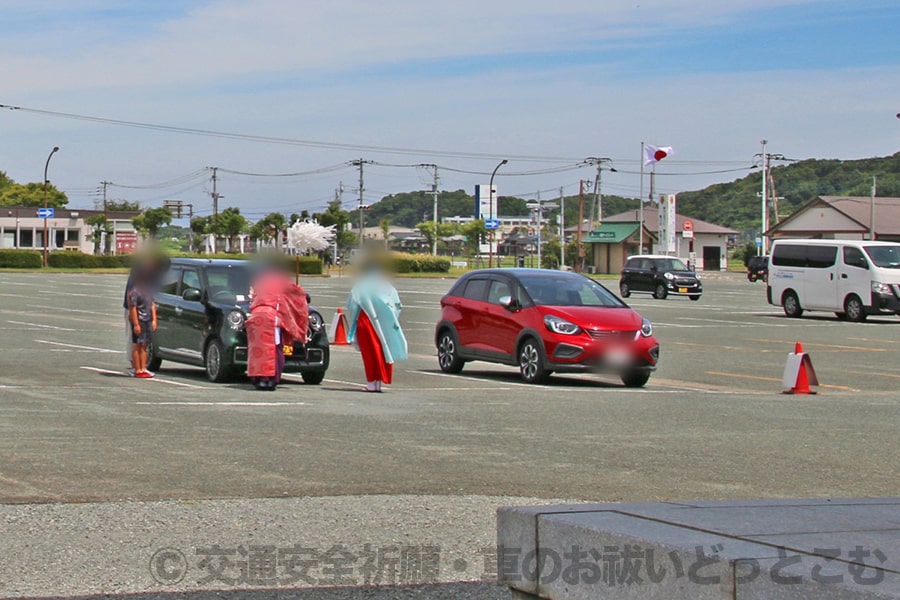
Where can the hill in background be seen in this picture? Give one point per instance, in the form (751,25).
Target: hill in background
(735,204)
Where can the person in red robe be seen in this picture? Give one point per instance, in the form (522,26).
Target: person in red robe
(279,315)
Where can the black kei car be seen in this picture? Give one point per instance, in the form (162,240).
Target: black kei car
(659,275)
(201,307)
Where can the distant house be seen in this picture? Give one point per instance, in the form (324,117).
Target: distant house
(704,244)
(20,227)
(842,217)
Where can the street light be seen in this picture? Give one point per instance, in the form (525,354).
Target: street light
(492,204)
(46,181)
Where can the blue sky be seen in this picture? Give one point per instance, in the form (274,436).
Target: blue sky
(505,77)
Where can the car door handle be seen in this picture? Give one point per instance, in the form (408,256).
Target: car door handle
(843,276)
(178,310)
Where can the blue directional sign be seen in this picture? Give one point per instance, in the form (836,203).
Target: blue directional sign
(46,213)
(491,224)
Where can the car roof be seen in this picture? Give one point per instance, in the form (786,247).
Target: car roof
(516,272)
(652,256)
(210,262)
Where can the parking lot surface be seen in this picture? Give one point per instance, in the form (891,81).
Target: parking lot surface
(711,424)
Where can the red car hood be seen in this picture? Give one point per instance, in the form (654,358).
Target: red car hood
(593,317)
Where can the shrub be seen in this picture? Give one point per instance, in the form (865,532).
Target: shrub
(73,260)
(419,263)
(309,265)
(21,259)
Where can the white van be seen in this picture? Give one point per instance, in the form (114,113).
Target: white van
(851,278)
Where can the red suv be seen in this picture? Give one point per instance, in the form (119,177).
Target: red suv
(543,321)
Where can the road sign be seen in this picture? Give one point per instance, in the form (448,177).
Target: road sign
(491,224)
(46,213)
(688,225)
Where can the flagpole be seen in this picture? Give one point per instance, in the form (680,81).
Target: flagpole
(641,204)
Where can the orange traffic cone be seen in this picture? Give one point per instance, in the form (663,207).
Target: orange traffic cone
(799,373)
(338,330)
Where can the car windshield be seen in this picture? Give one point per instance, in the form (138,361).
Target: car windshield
(229,284)
(670,264)
(884,256)
(571,290)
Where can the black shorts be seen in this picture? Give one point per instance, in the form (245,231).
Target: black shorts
(145,335)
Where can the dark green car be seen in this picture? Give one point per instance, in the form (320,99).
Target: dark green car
(201,307)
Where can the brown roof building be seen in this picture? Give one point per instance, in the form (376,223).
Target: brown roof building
(842,217)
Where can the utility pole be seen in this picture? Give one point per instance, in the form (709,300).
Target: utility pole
(362,218)
(562,228)
(765,200)
(104,184)
(872,209)
(215,193)
(641,207)
(435,193)
(579,261)
(538,208)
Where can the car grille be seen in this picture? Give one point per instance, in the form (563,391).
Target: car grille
(686,282)
(896,289)
(612,334)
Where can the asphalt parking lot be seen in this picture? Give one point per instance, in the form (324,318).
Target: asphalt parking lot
(710,424)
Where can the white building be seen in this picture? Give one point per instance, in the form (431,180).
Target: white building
(20,227)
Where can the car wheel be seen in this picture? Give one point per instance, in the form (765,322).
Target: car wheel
(312,377)
(624,290)
(153,359)
(751,277)
(791,305)
(695,297)
(531,362)
(448,353)
(214,361)
(660,293)
(855,310)
(635,379)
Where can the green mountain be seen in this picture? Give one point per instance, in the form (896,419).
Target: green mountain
(737,205)
(734,204)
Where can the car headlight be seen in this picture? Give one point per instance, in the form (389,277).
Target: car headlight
(316,322)
(668,276)
(235,319)
(697,275)
(881,288)
(558,325)
(646,328)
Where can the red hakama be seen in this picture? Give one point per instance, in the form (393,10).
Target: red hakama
(372,354)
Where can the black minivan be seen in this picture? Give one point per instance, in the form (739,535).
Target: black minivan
(201,307)
(659,275)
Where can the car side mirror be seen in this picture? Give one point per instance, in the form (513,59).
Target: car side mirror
(862,264)
(308,298)
(508,303)
(191,295)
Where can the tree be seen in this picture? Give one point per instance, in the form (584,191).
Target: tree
(473,231)
(5,180)
(443,230)
(229,223)
(269,228)
(337,216)
(31,194)
(149,222)
(100,226)
(385,225)
(118,205)
(199,228)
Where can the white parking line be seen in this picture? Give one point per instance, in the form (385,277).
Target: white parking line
(156,379)
(76,346)
(40,325)
(228,403)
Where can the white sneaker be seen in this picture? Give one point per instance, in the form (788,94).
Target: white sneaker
(130,372)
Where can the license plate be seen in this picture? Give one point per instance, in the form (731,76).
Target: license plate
(618,357)
(682,290)
(288,350)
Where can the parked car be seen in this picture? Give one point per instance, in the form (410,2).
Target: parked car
(201,309)
(661,276)
(852,278)
(543,322)
(758,268)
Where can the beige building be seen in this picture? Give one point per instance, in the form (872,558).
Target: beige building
(703,244)
(20,227)
(842,217)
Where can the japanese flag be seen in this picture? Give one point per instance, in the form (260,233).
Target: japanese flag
(652,154)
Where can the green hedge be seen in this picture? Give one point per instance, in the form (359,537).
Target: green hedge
(414,263)
(21,259)
(309,265)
